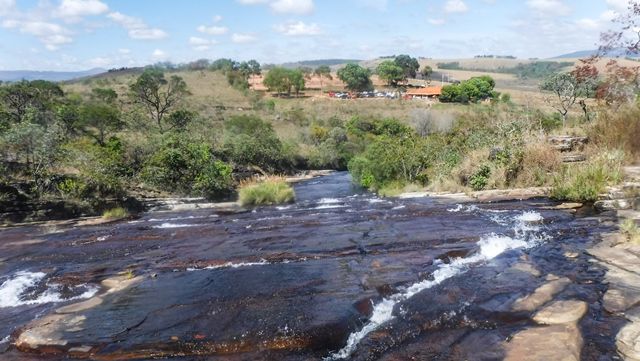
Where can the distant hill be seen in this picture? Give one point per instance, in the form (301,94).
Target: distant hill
(616,53)
(317,63)
(17,75)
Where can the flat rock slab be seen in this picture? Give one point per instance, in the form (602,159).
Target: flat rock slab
(628,341)
(560,312)
(541,295)
(557,343)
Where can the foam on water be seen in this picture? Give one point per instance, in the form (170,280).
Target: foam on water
(329,206)
(490,247)
(5,340)
(12,291)
(329,201)
(173,225)
(262,262)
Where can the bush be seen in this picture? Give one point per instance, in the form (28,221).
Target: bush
(188,167)
(480,178)
(267,192)
(585,182)
(115,213)
(249,141)
(390,159)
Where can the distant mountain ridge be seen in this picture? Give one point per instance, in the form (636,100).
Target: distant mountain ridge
(615,53)
(17,75)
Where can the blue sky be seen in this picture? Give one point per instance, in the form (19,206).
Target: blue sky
(82,34)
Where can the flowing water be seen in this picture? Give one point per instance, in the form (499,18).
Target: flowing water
(340,274)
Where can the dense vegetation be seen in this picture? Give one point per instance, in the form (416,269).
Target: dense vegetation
(146,136)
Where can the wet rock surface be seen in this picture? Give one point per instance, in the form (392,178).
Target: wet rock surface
(300,282)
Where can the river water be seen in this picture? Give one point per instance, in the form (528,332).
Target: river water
(340,274)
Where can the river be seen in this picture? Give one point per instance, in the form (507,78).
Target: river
(340,274)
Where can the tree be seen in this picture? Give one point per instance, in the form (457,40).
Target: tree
(356,77)
(426,72)
(472,90)
(323,71)
(390,72)
(99,119)
(408,64)
(157,94)
(18,97)
(105,95)
(564,89)
(283,80)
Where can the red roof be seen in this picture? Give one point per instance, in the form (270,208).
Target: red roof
(428,91)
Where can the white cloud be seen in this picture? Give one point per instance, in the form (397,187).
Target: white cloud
(124,51)
(158,55)
(74,10)
(100,62)
(7,7)
(50,34)
(380,5)
(213,30)
(455,6)
(299,7)
(136,27)
(618,5)
(201,44)
(243,38)
(217,18)
(436,22)
(298,28)
(549,7)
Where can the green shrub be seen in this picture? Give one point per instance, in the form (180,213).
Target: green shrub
(585,182)
(115,213)
(390,159)
(188,167)
(268,192)
(249,141)
(480,178)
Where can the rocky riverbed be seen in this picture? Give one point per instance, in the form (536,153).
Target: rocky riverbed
(340,274)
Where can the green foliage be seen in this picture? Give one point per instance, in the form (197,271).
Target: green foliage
(284,80)
(390,72)
(99,120)
(250,141)
(356,77)
(105,95)
(480,178)
(157,94)
(268,192)
(180,119)
(115,213)
(585,182)
(408,65)
(185,166)
(391,158)
(469,91)
(102,170)
(18,98)
(427,71)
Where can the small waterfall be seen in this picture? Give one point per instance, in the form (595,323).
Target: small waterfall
(527,234)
